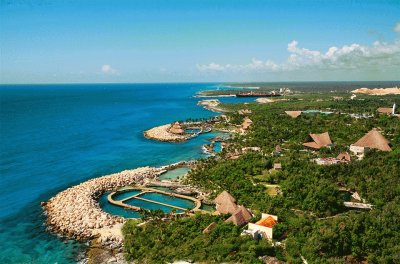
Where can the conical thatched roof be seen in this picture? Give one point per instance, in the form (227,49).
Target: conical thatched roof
(319,141)
(374,139)
(344,156)
(240,217)
(293,114)
(225,203)
(176,128)
(222,197)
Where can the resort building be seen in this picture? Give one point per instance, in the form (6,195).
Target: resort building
(372,140)
(293,114)
(264,227)
(318,141)
(176,128)
(387,110)
(251,149)
(240,217)
(225,203)
(326,161)
(344,157)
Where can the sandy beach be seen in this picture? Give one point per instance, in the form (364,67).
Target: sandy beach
(377,91)
(212,105)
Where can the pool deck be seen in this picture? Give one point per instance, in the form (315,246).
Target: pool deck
(122,203)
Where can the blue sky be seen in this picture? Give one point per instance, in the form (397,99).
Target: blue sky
(198,41)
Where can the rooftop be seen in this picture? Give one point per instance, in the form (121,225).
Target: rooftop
(374,139)
(319,141)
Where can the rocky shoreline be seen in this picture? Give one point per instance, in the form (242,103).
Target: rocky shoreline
(75,212)
(212,105)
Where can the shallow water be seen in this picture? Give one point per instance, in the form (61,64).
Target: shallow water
(174,174)
(217,146)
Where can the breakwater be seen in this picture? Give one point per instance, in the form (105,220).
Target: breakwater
(76,213)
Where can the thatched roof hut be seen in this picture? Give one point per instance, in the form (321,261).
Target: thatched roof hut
(225,203)
(176,128)
(385,110)
(246,123)
(344,156)
(240,217)
(293,114)
(318,141)
(374,140)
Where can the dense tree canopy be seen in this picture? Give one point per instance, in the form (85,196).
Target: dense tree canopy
(313,221)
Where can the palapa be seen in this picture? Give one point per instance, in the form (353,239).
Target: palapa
(319,141)
(293,114)
(225,203)
(385,110)
(374,140)
(344,156)
(240,217)
(176,128)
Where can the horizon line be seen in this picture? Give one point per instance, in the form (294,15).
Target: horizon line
(208,82)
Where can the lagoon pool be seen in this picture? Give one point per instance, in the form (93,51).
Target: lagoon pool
(217,146)
(151,206)
(125,194)
(174,174)
(163,198)
(116,210)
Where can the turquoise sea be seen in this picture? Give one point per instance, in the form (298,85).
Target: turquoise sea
(55,136)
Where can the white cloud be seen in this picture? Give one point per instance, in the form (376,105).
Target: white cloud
(354,56)
(107,69)
(397,27)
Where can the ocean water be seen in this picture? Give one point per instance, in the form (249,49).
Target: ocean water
(55,136)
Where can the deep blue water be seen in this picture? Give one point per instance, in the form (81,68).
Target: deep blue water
(55,136)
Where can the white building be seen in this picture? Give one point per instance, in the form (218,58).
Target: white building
(264,226)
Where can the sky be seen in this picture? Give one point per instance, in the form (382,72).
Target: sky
(99,41)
